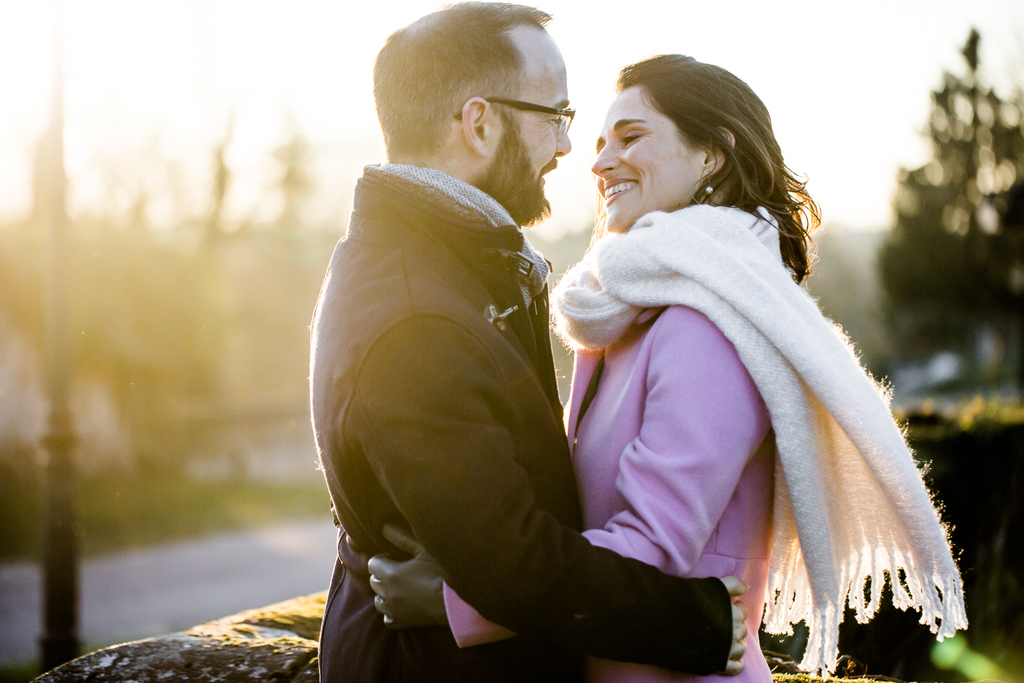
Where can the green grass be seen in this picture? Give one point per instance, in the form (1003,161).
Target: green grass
(18,674)
(130,512)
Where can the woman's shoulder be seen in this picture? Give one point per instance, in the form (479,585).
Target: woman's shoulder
(685,335)
(682,323)
(686,345)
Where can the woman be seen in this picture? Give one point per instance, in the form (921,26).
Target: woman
(720,424)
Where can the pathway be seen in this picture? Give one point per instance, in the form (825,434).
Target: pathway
(141,593)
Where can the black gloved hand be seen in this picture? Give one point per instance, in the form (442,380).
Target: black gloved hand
(408,593)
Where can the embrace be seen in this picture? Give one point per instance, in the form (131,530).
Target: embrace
(724,458)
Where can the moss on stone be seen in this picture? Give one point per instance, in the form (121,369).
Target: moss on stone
(274,643)
(804,678)
(301,616)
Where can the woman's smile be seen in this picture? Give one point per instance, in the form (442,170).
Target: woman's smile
(614,188)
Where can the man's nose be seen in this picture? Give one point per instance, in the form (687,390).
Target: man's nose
(563,145)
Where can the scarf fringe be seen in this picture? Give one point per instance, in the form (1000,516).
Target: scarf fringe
(789,602)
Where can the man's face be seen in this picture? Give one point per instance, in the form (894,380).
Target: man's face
(530,141)
(513,181)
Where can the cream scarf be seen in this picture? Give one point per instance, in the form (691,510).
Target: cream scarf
(849,502)
(467,202)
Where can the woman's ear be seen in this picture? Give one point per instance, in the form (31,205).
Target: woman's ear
(727,134)
(715,159)
(481,127)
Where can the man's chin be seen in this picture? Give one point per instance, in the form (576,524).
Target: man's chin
(545,212)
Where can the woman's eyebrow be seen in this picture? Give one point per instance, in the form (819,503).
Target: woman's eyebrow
(622,123)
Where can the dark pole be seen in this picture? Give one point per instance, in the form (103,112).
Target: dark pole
(60,554)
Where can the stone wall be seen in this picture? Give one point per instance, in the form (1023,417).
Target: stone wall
(275,644)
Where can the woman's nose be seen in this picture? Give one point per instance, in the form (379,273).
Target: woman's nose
(605,161)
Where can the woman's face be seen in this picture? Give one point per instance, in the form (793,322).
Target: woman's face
(643,164)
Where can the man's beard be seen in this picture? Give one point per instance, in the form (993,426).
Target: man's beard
(510,180)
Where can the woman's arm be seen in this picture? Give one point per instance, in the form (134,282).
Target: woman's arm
(702,421)
(468,626)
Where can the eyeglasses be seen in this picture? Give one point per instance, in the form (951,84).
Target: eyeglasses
(563,122)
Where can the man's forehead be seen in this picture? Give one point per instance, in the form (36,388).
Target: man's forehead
(543,66)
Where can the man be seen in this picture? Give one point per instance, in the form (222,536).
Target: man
(432,385)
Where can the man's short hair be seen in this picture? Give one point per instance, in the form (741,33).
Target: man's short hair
(426,71)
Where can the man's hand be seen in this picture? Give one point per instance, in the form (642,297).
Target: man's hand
(739,626)
(409,593)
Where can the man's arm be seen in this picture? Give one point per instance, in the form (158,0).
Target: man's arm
(411,593)
(427,413)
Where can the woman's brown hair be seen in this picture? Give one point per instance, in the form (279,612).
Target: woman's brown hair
(707,103)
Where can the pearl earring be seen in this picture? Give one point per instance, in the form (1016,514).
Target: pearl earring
(707,162)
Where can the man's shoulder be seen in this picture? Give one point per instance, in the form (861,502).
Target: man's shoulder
(372,288)
(390,283)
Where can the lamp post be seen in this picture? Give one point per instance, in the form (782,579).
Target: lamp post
(59,643)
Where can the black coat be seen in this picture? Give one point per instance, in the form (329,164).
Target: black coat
(427,415)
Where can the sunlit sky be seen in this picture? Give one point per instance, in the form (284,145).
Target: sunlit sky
(152,85)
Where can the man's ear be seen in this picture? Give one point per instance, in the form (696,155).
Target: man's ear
(481,126)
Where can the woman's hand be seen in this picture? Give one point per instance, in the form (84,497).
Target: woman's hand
(408,593)
(739,626)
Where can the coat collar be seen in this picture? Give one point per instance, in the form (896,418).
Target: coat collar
(388,215)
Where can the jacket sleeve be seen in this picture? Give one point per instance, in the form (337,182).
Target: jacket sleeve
(428,413)
(702,421)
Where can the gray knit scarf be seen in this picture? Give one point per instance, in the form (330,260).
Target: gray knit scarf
(466,202)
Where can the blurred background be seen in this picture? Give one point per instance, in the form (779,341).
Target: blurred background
(211,148)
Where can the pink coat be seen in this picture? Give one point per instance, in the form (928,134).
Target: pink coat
(675,466)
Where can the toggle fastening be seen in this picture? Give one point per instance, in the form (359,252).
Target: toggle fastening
(498,319)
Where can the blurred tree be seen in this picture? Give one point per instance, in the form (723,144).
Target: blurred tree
(214,223)
(953,259)
(192,329)
(295,159)
(146,326)
(845,283)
